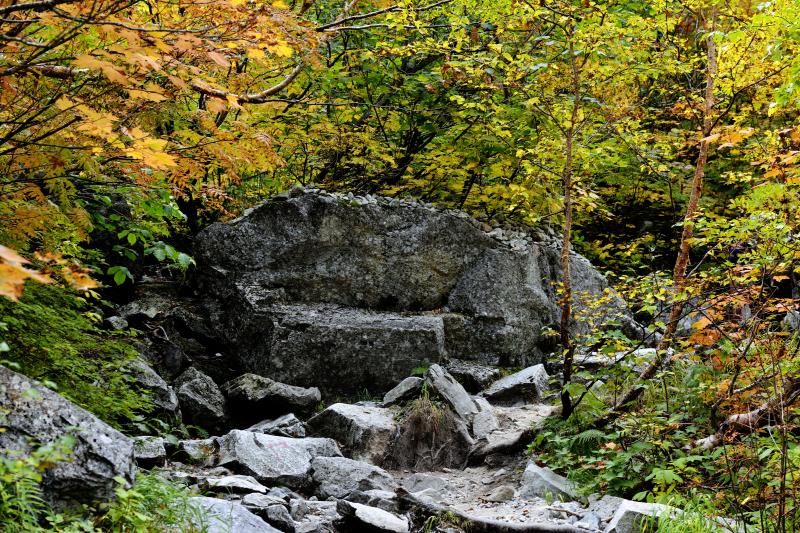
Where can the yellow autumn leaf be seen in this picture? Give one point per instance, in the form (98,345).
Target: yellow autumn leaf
(282,50)
(255,53)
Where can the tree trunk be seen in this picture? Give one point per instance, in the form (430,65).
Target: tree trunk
(679,272)
(566,298)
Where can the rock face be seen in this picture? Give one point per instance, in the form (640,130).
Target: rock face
(316,289)
(98,454)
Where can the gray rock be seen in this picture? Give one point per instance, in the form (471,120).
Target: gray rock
(418,482)
(406,389)
(271,459)
(98,453)
(382,499)
(320,290)
(116,323)
(314,516)
(484,421)
(278,516)
(257,502)
(200,452)
(791,322)
(528,385)
(253,396)
(474,377)
(632,516)
(605,506)
(364,432)
(367,518)
(589,521)
(161,394)
(541,482)
(339,477)
(221,516)
(452,392)
(284,426)
(234,484)
(201,400)
(503,493)
(149,451)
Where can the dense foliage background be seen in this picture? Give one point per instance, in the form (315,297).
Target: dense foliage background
(127,125)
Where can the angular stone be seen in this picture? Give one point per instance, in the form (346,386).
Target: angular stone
(201,400)
(526,386)
(541,482)
(404,390)
(373,519)
(235,484)
(484,421)
(452,392)
(284,426)
(200,452)
(502,493)
(418,482)
(221,516)
(474,377)
(149,451)
(632,516)
(161,394)
(98,452)
(278,516)
(255,500)
(364,432)
(271,459)
(251,397)
(339,477)
(116,323)
(382,499)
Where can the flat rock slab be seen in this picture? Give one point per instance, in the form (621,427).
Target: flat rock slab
(541,482)
(473,376)
(270,459)
(98,453)
(284,426)
(222,516)
(405,390)
(364,432)
(451,391)
(526,386)
(371,519)
(340,477)
(235,484)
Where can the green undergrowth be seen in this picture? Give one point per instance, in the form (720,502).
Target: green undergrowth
(50,335)
(648,455)
(152,504)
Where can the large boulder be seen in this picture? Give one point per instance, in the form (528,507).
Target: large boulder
(364,432)
(271,459)
(347,293)
(340,477)
(525,386)
(33,415)
(161,394)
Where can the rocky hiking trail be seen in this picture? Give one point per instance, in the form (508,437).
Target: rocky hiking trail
(475,478)
(313,297)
